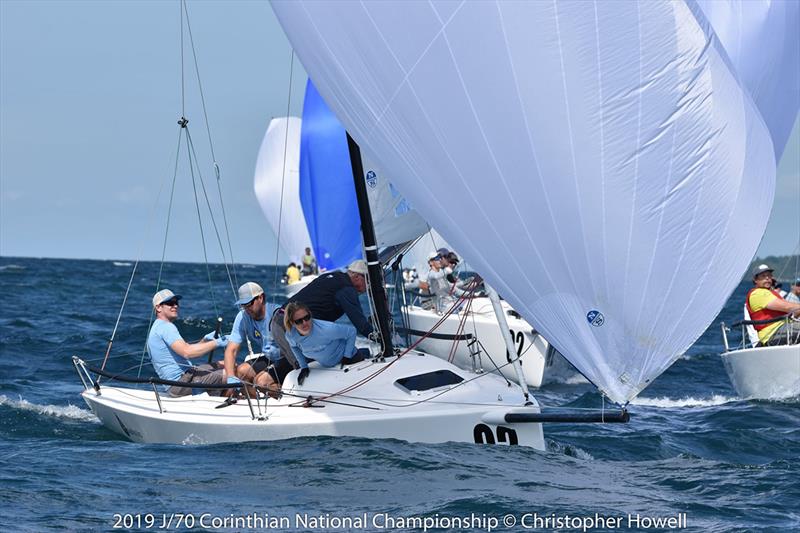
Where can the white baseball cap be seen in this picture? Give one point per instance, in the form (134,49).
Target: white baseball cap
(359,266)
(248,292)
(164,295)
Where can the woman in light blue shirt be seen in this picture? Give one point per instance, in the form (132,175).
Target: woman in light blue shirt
(328,343)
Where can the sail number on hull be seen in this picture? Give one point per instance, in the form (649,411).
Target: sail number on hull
(519,339)
(483,435)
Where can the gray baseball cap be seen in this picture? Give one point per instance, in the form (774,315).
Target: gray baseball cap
(248,292)
(761,269)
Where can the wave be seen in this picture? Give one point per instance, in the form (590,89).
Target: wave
(665,402)
(569,450)
(11,267)
(70,412)
(121,263)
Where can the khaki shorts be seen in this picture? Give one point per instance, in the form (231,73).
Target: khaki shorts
(203,374)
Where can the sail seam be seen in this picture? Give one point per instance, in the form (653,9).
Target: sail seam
(495,163)
(545,196)
(637,157)
(407,73)
(571,149)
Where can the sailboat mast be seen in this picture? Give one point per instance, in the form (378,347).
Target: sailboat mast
(371,248)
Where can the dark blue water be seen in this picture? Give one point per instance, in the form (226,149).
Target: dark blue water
(692,447)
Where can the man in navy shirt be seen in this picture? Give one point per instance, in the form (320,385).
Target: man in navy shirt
(330,296)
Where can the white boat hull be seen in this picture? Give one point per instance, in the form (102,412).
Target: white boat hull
(378,409)
(765,373)
(481,322)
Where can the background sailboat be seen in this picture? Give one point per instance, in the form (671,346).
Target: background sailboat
(276,185)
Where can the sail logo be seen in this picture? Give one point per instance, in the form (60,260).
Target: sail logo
(372,179)
(595,318)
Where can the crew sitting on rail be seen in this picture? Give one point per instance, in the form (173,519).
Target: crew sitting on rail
(764,303)
(328,343)
(170,354)
(444,292)
(251,326)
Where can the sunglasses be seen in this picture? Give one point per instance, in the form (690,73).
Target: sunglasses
(302,319)
(249,304)
(171,303)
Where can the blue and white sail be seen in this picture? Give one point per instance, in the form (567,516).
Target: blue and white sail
(762,40)
(599,163)
(327,193)
(276,185)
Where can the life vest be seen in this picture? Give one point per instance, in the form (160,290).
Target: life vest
(763,314)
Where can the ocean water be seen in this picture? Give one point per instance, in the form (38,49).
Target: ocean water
(692,449)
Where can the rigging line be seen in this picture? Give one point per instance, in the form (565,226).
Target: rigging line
(199,84)
(150,219)
(283,174)
(407,350)
(217,171)
(183,88)
(225,223)
(193,153)
(164,246)
(200,223)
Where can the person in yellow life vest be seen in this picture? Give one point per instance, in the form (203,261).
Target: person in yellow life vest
(764,303)
(292,274)
(309,263)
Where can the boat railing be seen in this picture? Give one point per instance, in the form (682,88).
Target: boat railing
(742,324)
(89,383)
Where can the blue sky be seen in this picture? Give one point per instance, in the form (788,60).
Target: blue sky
(89,100)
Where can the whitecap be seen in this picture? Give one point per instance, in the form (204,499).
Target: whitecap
(569,450)
(70,412)
(716,399)
(121,263)
(11,267)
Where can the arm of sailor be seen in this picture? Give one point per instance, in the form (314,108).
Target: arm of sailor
(298,353)
(190,351)
(779,304)
(231,351)
(235,339)
(347,298)
(350,347)
(347,333)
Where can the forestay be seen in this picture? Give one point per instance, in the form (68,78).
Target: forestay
(598,163)
(276,181)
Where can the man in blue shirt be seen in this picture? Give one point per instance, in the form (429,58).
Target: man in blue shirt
(251,326)
(328,343)
(170,354)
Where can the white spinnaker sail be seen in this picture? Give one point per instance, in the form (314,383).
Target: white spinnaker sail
(597,162)
(762,39)
(278,166)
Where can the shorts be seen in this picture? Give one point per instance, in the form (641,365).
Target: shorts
(203,374)
(277,370)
